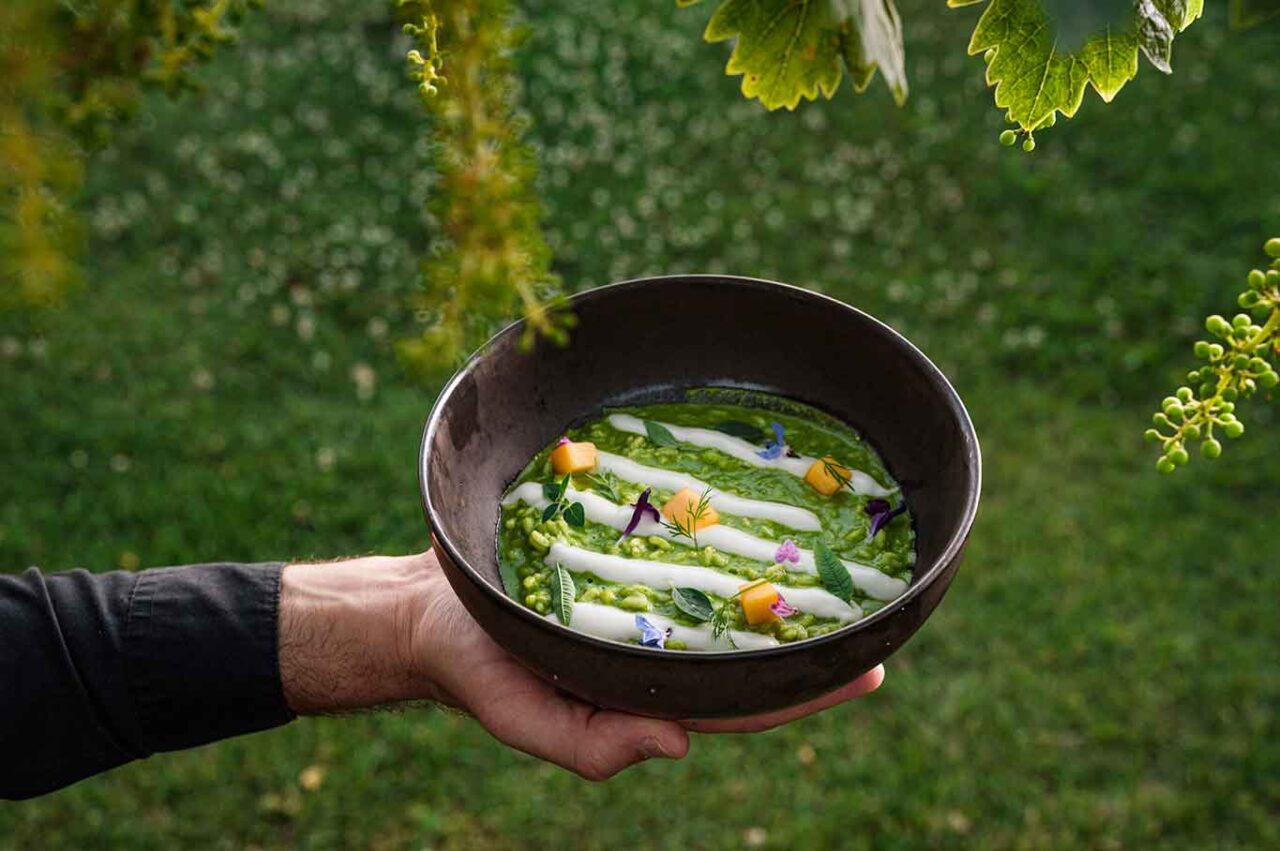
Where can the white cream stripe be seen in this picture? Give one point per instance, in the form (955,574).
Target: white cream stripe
(618,625)
(744,450)
(724,538)
(660,575)
(726,503)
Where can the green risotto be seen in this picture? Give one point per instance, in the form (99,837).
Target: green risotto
(731,520)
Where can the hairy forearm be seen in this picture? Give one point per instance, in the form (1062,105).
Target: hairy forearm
(346,630)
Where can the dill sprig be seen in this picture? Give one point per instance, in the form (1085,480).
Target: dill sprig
(722,617)
(688,527)
(608,485)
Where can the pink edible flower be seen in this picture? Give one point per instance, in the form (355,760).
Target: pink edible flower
(788,551)
(782,608)
(562,441)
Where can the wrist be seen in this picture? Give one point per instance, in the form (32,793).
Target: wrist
(346,632)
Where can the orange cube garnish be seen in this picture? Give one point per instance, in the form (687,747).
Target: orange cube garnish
(681,508)
(756,601)
(573,457)
(820,476)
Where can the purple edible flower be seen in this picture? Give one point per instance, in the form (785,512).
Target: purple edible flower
(782,608)
(650,635)
(788,551)
(562,441)
(880,513)
(774,448)
(642,507)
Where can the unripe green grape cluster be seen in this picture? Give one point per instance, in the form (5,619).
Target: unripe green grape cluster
(1009,138)
(1239,361)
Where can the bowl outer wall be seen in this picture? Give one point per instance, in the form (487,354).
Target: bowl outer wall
(505,405)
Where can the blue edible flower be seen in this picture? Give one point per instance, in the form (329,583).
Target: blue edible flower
(774,448)
(650,635)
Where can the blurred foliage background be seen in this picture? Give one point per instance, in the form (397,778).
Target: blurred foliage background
(224,386)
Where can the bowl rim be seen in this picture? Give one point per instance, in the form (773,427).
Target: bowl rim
(950,553)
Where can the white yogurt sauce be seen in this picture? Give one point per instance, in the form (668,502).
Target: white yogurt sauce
(659,575)
(724,538)
(618,625)
(743,450)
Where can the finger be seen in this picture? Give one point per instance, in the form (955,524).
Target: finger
(865,684)
(593,743)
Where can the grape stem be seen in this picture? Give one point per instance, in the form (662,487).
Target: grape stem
(1238,365)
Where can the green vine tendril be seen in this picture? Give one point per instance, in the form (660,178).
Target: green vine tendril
(490,259)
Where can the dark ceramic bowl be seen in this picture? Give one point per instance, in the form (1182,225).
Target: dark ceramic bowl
(649,340)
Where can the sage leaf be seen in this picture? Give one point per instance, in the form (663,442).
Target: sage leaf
(659,435)
(834,575)
(563,593)
(693,603)
(575,515)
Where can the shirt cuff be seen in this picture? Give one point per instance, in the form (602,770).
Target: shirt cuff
(201,653)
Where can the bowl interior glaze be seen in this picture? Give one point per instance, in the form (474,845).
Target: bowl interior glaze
(651,340)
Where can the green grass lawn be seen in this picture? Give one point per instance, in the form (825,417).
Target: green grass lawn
(1104,672)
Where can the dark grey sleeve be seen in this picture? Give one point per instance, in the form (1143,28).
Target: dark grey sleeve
(100,669)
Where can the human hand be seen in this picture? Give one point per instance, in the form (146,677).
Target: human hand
(402,634)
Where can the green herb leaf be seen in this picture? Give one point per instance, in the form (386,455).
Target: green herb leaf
(574,515)
(510,579)
(693,603)
(551,491)
(834,575)
(737,428)
(550,511)
(1041,54)
(659,435)
(563,593)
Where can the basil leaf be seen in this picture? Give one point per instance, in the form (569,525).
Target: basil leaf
(551,492)
(574,515)
(659,435)
(550,511)
(834,575)
(693,603)
(563,593)
(737,428)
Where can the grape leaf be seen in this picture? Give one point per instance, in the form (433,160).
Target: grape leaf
(834,575)
(693,603)
(786,50)
(1250,13)
(659,435)
(563,594)
(1041,54)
